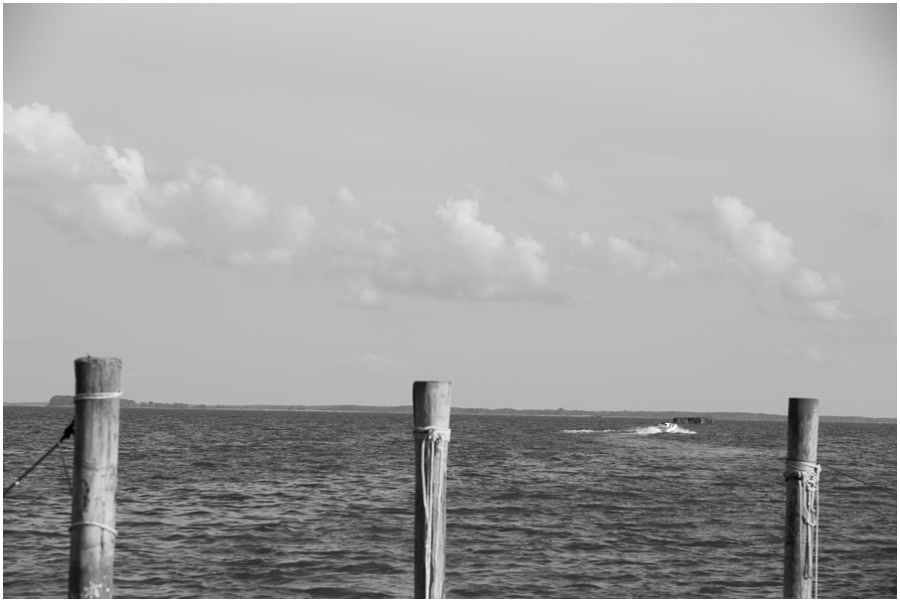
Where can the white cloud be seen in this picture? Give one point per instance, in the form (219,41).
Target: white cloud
(529,259)
(468,259)
(817,356)
(830,311)
(807,284)
(633,257)
(483,242)
(376,363)
(755,243)
(40,143)
(300,223)
(582,239)
(98,192)
(390,229)
(362,293)
(484,264)
(374,257)
(816,293)
(345,198)
(555,183)
(15,336)
(627,252)
(813,354)
(766,258)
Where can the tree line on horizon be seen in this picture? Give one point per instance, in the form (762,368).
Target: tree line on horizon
(69,400)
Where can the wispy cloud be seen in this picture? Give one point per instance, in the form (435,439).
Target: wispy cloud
(755,244)
(375,363)
(872,221)
(634,257)
(99,192)
(815,355)
(467,258)
(765,255)
(485,263)
(735,241)
(344,198)
(15,336)
(829,310)
(361,292)
(555,183)
(582,240)
(807,284)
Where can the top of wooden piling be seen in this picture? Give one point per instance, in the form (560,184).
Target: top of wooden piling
(431,403)
(803,428)
(97,375)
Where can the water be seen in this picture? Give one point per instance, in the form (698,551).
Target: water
(253,504)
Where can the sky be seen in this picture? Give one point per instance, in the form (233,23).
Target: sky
(598,207)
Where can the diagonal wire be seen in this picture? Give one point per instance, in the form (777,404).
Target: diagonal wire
(62,457)
(877,487)
(66,434)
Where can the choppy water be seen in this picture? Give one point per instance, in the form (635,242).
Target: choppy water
(224,504)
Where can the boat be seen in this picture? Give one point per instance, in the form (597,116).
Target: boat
(666,427)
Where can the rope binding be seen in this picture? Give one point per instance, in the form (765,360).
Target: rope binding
(808,474)
(432,489)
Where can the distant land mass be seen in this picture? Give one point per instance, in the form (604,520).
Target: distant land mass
(69,400)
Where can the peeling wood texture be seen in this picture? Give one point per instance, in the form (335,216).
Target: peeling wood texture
(95,475)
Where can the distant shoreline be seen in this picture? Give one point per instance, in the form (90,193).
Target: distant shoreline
(67,401)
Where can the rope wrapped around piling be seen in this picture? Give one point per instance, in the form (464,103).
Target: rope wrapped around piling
(808,475)
(99,395)
(433,489)
(91,523)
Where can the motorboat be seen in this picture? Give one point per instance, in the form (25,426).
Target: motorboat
(666,427)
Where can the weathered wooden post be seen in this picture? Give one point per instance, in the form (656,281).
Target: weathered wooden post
(94,474)
(802,481)
(431,419)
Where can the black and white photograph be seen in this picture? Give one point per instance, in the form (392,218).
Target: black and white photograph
(450,300)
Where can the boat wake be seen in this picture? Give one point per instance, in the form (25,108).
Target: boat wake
(649,430)
(654,430)
(586,431)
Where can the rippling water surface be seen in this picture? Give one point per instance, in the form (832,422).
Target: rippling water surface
(252,504)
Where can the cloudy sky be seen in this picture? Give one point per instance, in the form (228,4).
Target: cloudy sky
(583,206)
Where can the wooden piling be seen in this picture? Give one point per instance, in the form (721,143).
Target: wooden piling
(95,472)
(803,438)
(431,419)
